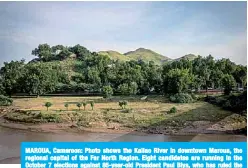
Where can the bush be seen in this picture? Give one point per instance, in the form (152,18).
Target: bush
(235,103)
(107,91)
(121,104)
(5,101)
(172,110)
(181,98)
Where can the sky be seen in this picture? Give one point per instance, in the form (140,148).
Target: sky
(172,29)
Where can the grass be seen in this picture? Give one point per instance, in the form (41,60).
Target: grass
(138,115)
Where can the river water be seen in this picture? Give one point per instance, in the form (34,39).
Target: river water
(10,140)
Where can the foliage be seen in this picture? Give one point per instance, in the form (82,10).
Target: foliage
(229,83)
(107,91)
(181,98)
(48,104)
(125,103)
(128,89)
(92,104)
(11,74)
(84,104)
(5,101)
(63,69)
(41,78)
(79,105)
(236,103)
(121,104)
(177,81)
(172,110)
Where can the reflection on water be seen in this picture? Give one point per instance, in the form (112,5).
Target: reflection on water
(10,140)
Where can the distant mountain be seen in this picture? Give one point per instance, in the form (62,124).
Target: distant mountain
(143,54)
(146,55)
(115,55)
(188,56)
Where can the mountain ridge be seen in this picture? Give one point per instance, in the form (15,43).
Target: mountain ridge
(143,54)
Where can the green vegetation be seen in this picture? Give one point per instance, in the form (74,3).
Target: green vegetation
(173,110)
(5,101)
(181,98)
(48,104)
(84,104)
(229,83)
(235,103)
(92,104)
(114,55)
(142,75)
(62,69)
(79,105)
(123,104)
(146,55)
(107,91)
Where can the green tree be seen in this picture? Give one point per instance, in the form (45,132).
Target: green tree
(43,51)
(92,104)
(79,105)
(229,83)
(11,76)
(48,104)
(177,81)
(107,91)
(84,104)
(40,78)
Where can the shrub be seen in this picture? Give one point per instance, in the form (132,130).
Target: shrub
(48,104)
(125,103)
(5,101)
(181,98)
(236,103)
(121,104)
(107,91)
(172,110)
(79,105)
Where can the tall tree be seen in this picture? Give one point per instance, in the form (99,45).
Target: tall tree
(11,74)
(43,51)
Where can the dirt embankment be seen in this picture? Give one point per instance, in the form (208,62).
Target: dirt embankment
(12,117)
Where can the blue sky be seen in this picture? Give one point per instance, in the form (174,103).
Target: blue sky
(170,28)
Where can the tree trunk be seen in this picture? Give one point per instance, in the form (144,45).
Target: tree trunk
(47,108)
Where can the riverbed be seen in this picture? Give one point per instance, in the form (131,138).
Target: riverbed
(10,139)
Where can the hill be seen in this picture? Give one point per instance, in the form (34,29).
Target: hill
(188,56)
(146,55)
(115,55)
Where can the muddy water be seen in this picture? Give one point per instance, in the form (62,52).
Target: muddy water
(10,140)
